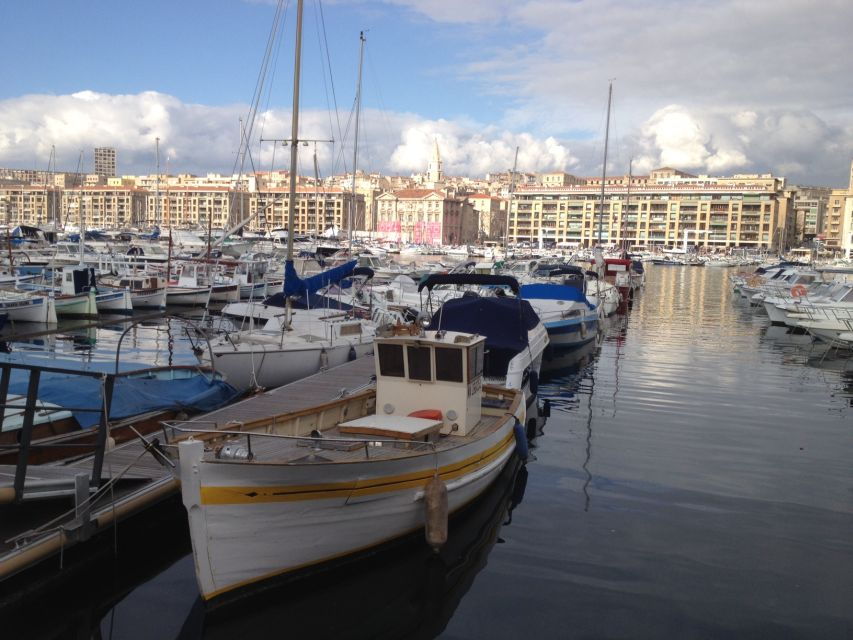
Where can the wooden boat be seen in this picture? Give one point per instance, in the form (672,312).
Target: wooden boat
(147,291)
(288,492)
(28,307)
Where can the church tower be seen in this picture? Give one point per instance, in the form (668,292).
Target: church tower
(435,176)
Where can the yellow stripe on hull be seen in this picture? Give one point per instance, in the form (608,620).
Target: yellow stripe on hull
(257,495)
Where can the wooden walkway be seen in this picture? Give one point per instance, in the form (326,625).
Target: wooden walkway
(150,482)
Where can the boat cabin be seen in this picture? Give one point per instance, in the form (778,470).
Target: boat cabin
(435,375)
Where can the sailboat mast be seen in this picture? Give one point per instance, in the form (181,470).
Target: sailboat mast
(509,203)
(355,142)
(294,130)
(604,164)
(627,210)
(157,184)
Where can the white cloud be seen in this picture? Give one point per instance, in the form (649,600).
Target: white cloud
(199,139)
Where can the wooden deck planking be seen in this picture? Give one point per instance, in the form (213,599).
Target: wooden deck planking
(297,396)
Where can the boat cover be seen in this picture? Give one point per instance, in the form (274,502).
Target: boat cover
(295,286)
(131,395)
(547,291)
(503,321)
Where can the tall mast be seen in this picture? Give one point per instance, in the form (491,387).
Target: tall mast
(294,131)
(627,210)
(509,203)
(355,142)
(80,211)
(604,165)
(157,184)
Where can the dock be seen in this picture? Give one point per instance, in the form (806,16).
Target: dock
(63,505)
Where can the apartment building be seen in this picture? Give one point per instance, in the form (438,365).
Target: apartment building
(426,216)
(197,207)
(104,207)
(809,209)
(661,210)
(105,161)
(317,209)
(32,205)
(833,223)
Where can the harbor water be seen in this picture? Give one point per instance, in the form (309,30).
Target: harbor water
(694,480)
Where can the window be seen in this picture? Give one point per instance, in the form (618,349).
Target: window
(475,362)
(448,364)
(420,363)
(391,360)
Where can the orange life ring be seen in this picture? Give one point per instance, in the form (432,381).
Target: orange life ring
(798,291)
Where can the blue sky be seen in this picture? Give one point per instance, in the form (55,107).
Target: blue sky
(718,88)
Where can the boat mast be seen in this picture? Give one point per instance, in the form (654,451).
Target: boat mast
(355,141)
(157,184)
(627,210)
(294,131)
(604,165)
(509,204)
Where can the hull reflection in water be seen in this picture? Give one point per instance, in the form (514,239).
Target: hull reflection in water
(400,590)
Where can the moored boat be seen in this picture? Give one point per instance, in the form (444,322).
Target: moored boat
(290,492)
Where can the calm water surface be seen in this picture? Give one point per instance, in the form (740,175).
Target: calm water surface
(695,480)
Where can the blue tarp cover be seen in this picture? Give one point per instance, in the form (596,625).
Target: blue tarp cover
(482,279)
(552,291)
(503,321)
(294,285)
(131,396)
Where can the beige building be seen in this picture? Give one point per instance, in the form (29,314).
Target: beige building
(663,210)
(196,207)
(425,216)
(809,209)
(317,209)
(31,205)
(558,179)
(833,223)
(491,214)
(105,207)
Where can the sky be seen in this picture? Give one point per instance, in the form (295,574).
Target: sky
(709,87)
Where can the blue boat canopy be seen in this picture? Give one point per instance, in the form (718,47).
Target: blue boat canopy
(296,286)
(503,321)
(549,291)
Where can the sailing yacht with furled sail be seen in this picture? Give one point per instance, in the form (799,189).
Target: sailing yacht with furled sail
(285,349)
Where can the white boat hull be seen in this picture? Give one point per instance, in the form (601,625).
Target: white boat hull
(25,309)
(187,296)
(271,519)
(253,365)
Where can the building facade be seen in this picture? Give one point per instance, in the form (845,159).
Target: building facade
(317,209)
(491,214)
(659,211)
(425,216)
(105,161)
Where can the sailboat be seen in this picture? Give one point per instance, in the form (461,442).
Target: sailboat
(293,345)
(290,492)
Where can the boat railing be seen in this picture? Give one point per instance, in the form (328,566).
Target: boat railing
(314,439)
(31,405)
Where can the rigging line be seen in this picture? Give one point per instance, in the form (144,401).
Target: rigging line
(270,85)
(324,67)
(383,109)
(329,62)
(257,95)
